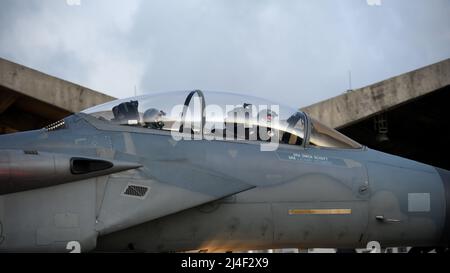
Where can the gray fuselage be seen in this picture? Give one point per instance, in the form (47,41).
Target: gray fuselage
(218,195)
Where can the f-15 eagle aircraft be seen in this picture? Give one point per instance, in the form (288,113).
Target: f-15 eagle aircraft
(210,171)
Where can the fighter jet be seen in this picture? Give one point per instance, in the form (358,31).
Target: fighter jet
(210,171)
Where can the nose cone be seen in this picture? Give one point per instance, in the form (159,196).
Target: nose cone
(412,195)
(445,176)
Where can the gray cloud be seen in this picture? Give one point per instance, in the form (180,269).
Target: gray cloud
(297,52)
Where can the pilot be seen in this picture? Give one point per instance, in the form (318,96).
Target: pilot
(266,116)
(265,119)
(238,122)
(153,118)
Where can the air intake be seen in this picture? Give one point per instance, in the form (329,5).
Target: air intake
(86,165)
(136,191)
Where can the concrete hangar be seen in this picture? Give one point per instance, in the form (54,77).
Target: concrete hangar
(406,115)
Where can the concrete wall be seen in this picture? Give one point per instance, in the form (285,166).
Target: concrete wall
(336,112)
(361,103)
(56,92)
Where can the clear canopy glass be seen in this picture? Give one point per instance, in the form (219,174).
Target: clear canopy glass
(226,115)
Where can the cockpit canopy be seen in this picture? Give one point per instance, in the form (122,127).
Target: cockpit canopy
(220,115)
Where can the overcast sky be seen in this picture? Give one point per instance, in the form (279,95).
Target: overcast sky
(298,52)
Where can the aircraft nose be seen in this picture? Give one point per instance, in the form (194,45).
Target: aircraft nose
(445,176)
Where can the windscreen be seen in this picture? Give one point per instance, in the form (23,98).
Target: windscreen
(324,136)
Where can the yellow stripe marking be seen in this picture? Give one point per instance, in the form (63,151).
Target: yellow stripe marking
(319,211)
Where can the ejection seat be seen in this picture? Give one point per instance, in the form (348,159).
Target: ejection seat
(126,113)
